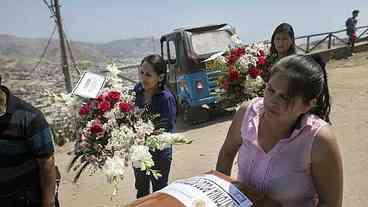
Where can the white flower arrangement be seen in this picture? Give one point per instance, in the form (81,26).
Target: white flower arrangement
(241,69)
(113,133)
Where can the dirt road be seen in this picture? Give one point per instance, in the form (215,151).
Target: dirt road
(349,89)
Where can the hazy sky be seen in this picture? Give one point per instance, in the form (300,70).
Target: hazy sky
(107,20)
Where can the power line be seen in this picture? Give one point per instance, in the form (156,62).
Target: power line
(64,57)
(71,54)
(51,8)
(44,50)
(52,11)
(68,44)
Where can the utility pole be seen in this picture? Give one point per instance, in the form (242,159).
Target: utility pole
(64,57)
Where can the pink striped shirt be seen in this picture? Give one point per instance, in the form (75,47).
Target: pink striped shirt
(284,173)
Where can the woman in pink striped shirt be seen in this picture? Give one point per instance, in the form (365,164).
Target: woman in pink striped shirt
(287,152)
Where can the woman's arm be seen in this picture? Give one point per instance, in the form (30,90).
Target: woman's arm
(232,143)
(226,158)
(327,170)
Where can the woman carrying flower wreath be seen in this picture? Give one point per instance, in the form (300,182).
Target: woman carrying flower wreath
(282,45)
(152,96)
(287,152)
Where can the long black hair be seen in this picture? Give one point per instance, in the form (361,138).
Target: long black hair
(159,66)
(307,78)
(283,27)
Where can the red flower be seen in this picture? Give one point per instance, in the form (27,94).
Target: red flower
(113,95)
(261,60)
(261,53)
(232,59)
(126,107)
(235,54)
(102,97)
(233,74)
(85,109)
(254,72)
(96,127)
(240,51)
(104,106)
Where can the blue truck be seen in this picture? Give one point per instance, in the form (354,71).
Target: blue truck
(185,50)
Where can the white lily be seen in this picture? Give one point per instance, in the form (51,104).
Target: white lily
(141,157)
(114,168)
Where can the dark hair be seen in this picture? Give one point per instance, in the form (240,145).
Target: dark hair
(283,27)
(307,78)
(355,11)
(159,66)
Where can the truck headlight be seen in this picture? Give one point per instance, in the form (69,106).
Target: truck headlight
(199,85)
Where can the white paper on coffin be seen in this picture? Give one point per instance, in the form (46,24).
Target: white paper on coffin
(212,190)
(89,85)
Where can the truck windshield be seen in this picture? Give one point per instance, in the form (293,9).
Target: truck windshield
(211,42)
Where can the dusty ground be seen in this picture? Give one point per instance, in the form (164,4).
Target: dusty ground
(349,89)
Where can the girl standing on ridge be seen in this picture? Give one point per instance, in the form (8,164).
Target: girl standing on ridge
(282,45)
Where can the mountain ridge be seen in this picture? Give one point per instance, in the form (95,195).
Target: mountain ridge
(32,48)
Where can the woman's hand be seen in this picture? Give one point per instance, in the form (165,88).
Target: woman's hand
(258,199)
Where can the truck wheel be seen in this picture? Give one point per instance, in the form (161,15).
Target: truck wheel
(187,112)
(200,115)
(194,115)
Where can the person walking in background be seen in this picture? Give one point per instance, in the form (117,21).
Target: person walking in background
(152,95)
(27,166)
(282,45)
(350,24)
(287,151)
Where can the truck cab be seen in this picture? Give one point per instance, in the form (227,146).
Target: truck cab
(185,50)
